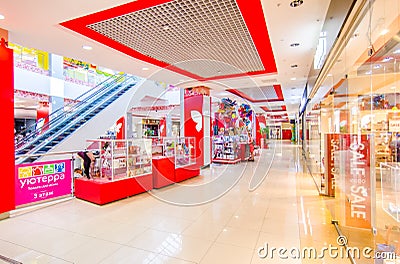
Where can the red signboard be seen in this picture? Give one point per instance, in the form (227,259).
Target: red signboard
(199,90)
(357,180)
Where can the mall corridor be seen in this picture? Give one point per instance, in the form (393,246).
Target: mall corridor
(284,211)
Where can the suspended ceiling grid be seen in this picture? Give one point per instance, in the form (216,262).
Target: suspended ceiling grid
(202,39)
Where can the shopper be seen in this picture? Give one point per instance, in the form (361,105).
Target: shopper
(87,161)
(251,147)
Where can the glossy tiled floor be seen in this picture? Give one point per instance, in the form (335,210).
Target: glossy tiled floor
(284,211)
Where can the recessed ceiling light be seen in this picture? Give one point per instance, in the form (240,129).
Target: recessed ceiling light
(293,79)
(384,32)
(393,87)
(330,75)
(2,17)
(396,51)
(378,66)
(294,66)
(145,68)
(368,72)
(295,44)
(86,47)
(296,3)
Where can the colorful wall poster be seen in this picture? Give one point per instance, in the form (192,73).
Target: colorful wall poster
(41,181)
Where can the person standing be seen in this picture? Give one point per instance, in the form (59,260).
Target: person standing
(251,147)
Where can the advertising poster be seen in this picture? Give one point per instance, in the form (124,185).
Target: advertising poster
(332,146)
(357,180)
(41,181)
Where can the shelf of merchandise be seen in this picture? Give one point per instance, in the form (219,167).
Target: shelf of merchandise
(185,159)
(123,171)
(225,150)
(382,150)
(178,162)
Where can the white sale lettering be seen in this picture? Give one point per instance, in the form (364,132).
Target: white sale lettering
(357,171)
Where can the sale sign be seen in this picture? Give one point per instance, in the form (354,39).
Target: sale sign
(358,202)
(42,181)
(331,148)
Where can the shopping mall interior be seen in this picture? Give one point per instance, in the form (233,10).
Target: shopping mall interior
(200,131)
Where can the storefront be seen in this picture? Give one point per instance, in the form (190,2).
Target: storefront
(352,123)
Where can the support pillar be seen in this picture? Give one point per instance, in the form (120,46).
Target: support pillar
(7,162)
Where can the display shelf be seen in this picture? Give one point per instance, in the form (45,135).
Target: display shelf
(178,162)
(225,149)
(131,158)
(382,150)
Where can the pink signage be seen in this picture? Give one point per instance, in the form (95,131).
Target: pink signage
(40,181)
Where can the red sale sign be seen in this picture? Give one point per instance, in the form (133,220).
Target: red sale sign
(357,180)
(42,181)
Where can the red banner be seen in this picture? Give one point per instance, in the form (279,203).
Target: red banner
(357,180)
(331,146)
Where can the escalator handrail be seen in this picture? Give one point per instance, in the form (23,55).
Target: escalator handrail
(37,148)
(105,85)
(79,98)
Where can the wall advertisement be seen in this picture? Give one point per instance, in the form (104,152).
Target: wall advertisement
(41,181)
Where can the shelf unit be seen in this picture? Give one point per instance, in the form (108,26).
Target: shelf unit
(225,149)
(382,150)
(120,159)
(182,149)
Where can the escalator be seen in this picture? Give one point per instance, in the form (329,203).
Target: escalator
(73,117)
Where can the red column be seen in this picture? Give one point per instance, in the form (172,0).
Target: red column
(7,161)
(195,124)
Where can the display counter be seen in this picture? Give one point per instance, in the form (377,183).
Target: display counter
(121,168)
(163,171)
(104,191)
(178,162)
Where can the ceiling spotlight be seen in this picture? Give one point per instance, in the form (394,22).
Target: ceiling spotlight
(293,79)
(86,47)
(294,45)
(378,66)
(296,3)
(145,69)
(2,17)
(393,87)
(396,51)
(294,66)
